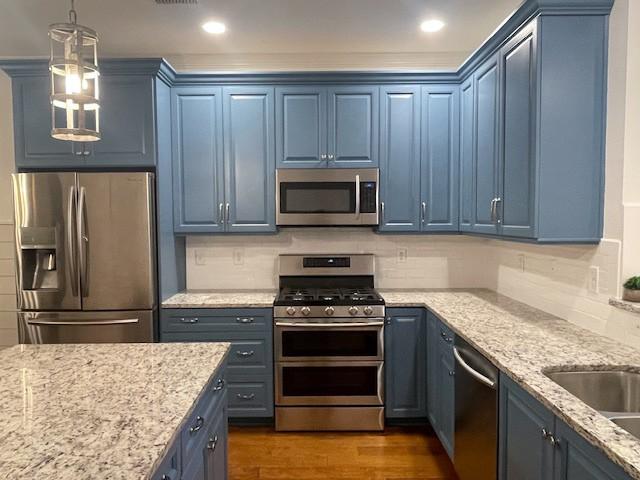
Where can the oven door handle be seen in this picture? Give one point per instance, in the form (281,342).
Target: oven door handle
(357,196)
(330,325)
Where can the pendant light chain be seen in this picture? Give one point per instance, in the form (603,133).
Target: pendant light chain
(73,15)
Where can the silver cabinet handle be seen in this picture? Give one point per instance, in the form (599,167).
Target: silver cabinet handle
(330,157)
(477,375)
(357,195)
(250,396)
(498,219)
(424,211)
(226,212)
(199,423)
(452,373)
(211,444)
(83,240)
(547,435)
(71,241)
(219,386)
(244,319)
(189,320)
(382,213)
(493,210)
(323,157)
(250,353)
(220,214)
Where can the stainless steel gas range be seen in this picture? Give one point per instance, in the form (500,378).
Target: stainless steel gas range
(329,344)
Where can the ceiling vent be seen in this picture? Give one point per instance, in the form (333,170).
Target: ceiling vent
(176,2)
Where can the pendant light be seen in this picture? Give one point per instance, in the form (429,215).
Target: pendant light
(73,66)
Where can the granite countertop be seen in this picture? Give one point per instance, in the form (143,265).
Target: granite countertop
(97,411)
(524,342)
(222,299)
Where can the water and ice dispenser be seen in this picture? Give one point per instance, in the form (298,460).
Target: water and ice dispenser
(39,268)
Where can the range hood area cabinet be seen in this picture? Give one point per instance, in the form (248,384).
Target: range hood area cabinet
(127,119)
(223,163)
(327,127)
(533,131)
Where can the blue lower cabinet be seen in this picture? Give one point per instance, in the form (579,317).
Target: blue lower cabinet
(536,445)
(446,422)
(170,468)
(405,341)
(433,392)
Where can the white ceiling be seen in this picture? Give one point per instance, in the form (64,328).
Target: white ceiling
(130,28)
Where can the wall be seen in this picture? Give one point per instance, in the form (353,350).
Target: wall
(8,331)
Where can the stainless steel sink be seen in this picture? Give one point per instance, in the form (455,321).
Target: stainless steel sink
(609,391)
(630,424)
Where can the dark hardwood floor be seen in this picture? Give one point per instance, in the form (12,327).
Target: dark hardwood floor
(410,453)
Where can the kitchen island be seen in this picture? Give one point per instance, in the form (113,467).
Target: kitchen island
(101,410)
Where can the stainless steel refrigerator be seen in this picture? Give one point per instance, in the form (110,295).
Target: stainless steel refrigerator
(85,257)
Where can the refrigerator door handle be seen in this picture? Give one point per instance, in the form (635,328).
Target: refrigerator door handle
(88,322)
(83,241)
(71,241)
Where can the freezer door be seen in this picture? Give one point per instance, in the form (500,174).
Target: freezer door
(47,275)
(85,327)
(116,241)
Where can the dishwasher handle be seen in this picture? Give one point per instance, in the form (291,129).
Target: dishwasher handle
(477,375)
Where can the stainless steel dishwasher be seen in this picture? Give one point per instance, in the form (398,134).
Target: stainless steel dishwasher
(476,421)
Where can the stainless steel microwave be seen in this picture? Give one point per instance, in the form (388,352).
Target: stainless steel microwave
(327,196)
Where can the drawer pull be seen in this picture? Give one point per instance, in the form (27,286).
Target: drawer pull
(219,386)
(189,320)
(211,444)
(244,319)
(199,423)
(250,396)
(250,353)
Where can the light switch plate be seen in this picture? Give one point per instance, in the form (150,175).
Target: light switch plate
(521,262)
(401,254)
(200,257)
(238,256)
(594,279)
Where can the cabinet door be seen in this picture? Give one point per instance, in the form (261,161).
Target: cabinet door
(405,352)
(126,123)
(577,459)
(433,364)
(446,424)
(249,159)
(400,158)
(34,146)
(353,126)
(440,157)
(216,449)
(197,159)
(523,452)
(301,127)
(467,152)
(486,83)
(518,158)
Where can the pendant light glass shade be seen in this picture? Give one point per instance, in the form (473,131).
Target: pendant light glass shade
(75,93)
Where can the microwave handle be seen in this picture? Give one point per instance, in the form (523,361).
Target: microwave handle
(357,196)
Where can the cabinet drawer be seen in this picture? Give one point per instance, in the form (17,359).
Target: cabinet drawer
(250,398)
(249,353)
(194,434)
(205,320)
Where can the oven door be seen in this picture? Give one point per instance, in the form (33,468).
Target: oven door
(329,383)
(327,196)
(320,342)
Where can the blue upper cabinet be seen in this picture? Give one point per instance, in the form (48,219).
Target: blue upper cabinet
(400,158)
(126,123)
(353,126)
(405,338)
(486,82)
(249,154)
(467,154)
(517,63)
(198,188)
(318,127)
(301,127)
(440,158)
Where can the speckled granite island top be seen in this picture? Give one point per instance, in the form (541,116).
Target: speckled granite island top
(523,342)
(97,411)
(222,299)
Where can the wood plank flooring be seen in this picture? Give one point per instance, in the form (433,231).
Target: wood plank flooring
(412,453)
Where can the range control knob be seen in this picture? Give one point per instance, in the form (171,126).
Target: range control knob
(305,311)
(329,311)
(368,310)
(353,310)
(291,311)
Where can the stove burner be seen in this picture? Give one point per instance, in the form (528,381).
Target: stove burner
(329,296)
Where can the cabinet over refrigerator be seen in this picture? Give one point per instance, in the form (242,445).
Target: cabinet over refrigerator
(85,257)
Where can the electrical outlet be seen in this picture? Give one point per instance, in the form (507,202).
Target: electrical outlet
(238,256)
(402,254)
(594,279)
(200,257)
(521,262)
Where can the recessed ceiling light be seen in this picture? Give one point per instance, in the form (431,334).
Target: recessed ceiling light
(431,26)
(214,27)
